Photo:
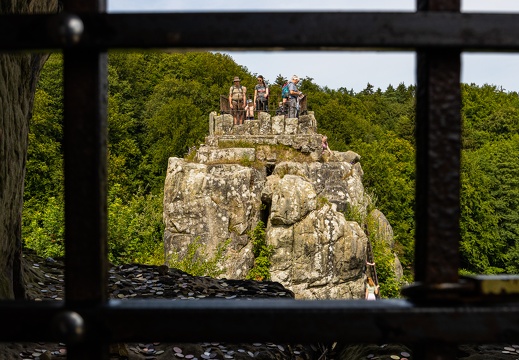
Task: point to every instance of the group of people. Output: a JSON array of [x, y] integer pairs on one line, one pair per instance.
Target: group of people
[[243, 107]]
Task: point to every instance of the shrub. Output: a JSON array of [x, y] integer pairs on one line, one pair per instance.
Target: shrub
[[44, 227], [262, 253], [383, 255], [135, 229]]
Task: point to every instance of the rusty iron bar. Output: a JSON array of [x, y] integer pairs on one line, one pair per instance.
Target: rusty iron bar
[[438, 167], [86, 275], [438, 153], [85, 176], [438, 136], [277, 320], [85, 158], [307, 31]]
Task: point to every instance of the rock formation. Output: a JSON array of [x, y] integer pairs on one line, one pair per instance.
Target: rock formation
[[271, 169]]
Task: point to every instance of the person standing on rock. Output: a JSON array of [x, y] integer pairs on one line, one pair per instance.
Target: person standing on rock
[[371, 290], [237, 98], [294, 93], [261, 94]]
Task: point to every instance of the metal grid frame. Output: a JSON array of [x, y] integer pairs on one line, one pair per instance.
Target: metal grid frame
[[434, 321]]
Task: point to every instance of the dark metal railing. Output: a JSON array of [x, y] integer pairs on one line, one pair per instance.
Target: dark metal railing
[[436, 317]]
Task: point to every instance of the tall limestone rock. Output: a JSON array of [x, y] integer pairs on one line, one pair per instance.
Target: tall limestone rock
[[271, 169]]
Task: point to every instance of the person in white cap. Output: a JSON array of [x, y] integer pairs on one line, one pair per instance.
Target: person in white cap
[[294, 93], [249, 110], [237, 98]]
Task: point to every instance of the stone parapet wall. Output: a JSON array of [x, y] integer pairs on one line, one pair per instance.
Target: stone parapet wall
[[266, 124], [304, 143]]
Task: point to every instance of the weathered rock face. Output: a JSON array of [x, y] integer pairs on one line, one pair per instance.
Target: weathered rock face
[[18, 76], [337, 182], [215, 203], [318, 254]]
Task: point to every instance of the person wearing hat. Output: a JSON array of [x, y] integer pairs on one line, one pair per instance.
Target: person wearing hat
[[237, 98]]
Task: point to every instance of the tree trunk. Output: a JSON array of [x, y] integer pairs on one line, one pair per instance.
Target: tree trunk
[[18, 76]]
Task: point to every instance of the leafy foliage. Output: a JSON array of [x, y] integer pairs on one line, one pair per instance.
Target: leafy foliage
[[158, 107], [262, 253], [135, 229], [389, 172], [45, 227], [390, 286], [490, 207], [383, 254]]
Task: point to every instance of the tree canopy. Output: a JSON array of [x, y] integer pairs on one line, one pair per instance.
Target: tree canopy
[[159, 105]]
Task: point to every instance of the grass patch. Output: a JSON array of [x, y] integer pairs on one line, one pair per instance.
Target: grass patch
[[322, 201]]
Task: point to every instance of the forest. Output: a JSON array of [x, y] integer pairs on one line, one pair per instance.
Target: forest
[[159, 105]]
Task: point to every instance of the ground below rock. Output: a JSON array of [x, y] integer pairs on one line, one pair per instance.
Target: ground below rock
[[46, 279]]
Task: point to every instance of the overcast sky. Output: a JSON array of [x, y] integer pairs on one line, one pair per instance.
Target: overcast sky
[[351, 70]]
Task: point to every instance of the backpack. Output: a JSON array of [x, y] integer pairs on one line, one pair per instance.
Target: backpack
[[284, 91], [237, 91]]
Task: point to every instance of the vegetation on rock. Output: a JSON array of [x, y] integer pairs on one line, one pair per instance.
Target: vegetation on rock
[[262, 253], [197, 262]]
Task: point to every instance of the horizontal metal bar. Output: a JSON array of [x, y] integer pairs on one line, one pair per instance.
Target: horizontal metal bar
[[305, 30], [279, 320]]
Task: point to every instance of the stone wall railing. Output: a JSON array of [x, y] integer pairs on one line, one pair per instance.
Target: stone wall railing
[[265, 125]]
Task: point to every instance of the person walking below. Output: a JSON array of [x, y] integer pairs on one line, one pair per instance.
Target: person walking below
[[326, 153], [292, 97], [371, 290], [237, 98], [261, 94]]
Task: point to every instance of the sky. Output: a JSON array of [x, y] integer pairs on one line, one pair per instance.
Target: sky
[[345, 69]]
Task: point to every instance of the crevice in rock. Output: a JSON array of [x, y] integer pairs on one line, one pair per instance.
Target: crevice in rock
[[265, 212], [269, 169]]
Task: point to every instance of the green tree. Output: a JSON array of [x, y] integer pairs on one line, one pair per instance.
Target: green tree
[[389, 172], [44, 226], [480, 244], [135, 229], [44, 176], [490, 208], [489, 114], [174, 126]]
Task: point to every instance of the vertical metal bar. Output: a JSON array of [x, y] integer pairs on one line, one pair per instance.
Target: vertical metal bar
[[438, 167], [85, 148], [438, 131]]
